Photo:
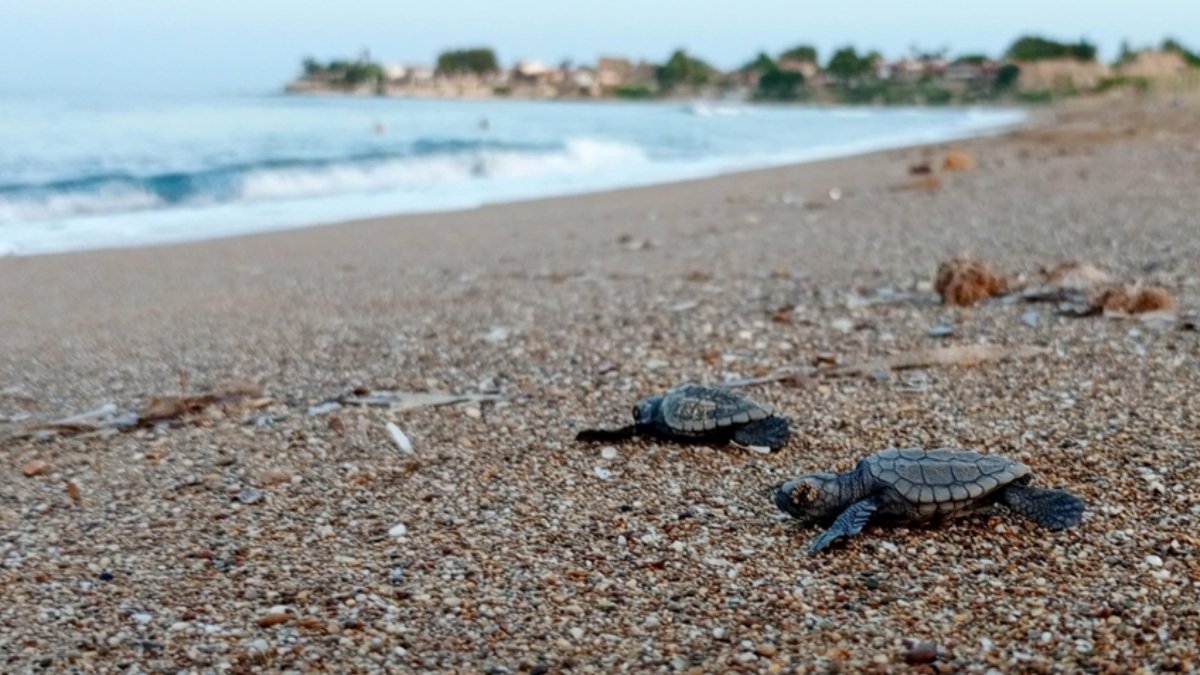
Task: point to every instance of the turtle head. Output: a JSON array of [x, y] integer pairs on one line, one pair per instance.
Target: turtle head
[[646, 410], [811, 498]]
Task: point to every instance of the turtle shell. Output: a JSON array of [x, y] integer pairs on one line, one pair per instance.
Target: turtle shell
[[943, 475], [695, 409]]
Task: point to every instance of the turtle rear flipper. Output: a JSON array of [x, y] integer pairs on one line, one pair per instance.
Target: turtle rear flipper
[[1051, 509], [772, 432]]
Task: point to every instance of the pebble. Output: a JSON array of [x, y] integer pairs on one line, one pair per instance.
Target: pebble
[[397, 530], [608, 452], [602, 473], [273, 619], [35, 467], [919, 652], [1154, 561], [249, 495]]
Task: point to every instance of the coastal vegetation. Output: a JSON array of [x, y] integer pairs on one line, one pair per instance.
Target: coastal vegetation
[[1033, 69]]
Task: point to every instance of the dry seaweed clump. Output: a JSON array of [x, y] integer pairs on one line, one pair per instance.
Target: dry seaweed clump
[[964, 281], [1134, 300], [1075, 275], [958, 160]]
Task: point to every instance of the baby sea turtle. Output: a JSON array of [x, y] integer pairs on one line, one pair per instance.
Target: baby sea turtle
[[699, 414], [917, 485]]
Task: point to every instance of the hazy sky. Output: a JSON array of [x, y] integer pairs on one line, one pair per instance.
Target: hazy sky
[[254, 45]]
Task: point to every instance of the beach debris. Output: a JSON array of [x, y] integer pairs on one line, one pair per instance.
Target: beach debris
[[920, 168], [80, 423], [273, 619], [941, 331], [958, 160], [497, 334], [1068, 281], [399, 401], [1125, 300], [964, 281], [73, 492], [1030, 317], [323, 408], [248, 495], [927, 183], [35, 467], [238, 394], [962, 356], [835, 194], [684, 306], [405, 446]]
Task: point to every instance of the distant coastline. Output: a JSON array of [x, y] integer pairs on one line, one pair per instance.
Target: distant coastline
[[1032, 70]]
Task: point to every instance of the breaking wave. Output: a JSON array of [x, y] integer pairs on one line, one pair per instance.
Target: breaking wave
[[421, 164]]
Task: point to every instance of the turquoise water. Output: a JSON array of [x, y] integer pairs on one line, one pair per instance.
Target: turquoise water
[[90, 173]]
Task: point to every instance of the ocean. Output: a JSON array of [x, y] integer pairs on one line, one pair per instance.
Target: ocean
[[82, 173]]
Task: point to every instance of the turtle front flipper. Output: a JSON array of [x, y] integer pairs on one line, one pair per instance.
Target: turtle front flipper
[[849, 523], [607, 435], [772, 432], [1051, 509]]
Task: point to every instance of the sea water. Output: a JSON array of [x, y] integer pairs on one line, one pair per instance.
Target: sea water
[[78, 173]]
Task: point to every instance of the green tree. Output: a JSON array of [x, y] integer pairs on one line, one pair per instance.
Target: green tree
[[478, 61], [1173, 45], [847, 65], [1035, 48], [800, 53], [1007, 76], [761, 64], [780, 85], [682, 69], [971, 59], [311, 66]]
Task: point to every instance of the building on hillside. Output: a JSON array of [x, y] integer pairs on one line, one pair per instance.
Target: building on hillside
[[613, 72], [971, 71]]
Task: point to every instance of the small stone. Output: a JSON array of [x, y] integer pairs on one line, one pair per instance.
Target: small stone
[[398, 530], [73, 492], [473, 413], [35, 467], [842, 325], [249, 495], [260, 645], [919, 652], [141, 618], [1030, 317], [746, 657], [273, 619], [767, 650], [608, 452], [602, 473], [1154, 561], [941, 331], [274, 477]]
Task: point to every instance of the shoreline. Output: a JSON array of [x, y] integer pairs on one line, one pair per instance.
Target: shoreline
[[1029, 119], [264, 535]]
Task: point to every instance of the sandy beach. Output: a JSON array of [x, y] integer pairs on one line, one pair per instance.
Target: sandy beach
[[260, 536]]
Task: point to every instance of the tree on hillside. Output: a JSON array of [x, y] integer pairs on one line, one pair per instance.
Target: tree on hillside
[[1007, 76], [1173, 45], [761, 64], [682, 69], [847, 65], [477, 61], [780, 85], [1034, 48], [311, 66], [800, 53]]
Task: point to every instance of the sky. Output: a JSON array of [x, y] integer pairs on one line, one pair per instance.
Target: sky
[[253, 46]]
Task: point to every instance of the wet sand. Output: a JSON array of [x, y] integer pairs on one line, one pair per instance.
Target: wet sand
[[269, 538]]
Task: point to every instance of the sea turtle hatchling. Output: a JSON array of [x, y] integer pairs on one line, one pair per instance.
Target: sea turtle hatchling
[[699, 414], [917, 485]]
